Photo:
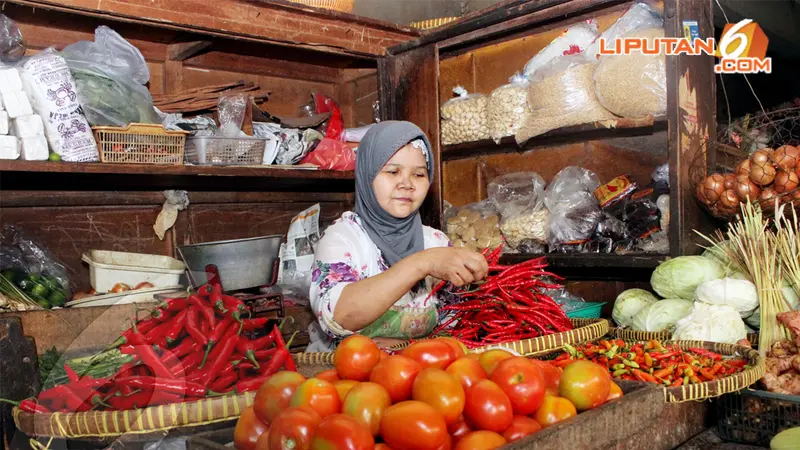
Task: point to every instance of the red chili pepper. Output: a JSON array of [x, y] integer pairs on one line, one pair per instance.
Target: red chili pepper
[[180, 387], [226, 350], [204, 309], [659, 356], [144, 326], [28, 405], [71, 375], [144, 399], [174, 305], [224, 382], [254, 324], [177, 327], [186, 347], [282, 356], [216, 335], [205, 290], [63, 393], [216, 299], [148, 356], [188, 365], [247, 348], [192, 328], [157, 336]]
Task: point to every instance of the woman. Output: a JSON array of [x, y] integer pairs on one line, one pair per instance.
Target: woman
[[375, 267]]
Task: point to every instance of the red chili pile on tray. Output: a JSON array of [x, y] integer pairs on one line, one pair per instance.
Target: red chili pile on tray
[[510, 305], [190, 348], [654, 362]]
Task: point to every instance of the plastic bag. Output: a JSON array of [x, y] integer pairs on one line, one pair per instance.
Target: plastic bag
[[231, 110], [331, 154], [335, 125], [572, 41], [474, 226], [562, 94], [574, 211], [32, 268], [464, 118], [110, 75], [12, 46], [507, 108], [640, 16], [633, 85], [297, 254], [518, 197]]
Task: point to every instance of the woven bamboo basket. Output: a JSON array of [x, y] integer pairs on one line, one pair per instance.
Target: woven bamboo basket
[[585, 330], [154, 421], [627, 334], [334, 5], [432, 23]]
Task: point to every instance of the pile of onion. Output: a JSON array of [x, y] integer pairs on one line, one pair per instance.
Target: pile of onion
[[768, 174]]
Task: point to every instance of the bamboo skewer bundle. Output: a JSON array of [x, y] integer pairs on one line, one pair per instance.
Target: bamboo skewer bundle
[[206, 97], [788, 240]]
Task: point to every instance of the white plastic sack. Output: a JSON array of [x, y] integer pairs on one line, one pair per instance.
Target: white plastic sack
[[574, 40]]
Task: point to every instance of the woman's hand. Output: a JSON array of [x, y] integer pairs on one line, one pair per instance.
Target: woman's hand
[[459, 266]]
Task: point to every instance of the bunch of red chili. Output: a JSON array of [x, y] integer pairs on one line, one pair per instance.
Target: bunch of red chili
[[510, 305], [188, 349], [654, 362]]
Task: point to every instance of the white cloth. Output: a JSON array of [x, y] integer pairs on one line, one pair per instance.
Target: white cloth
[[344, 255]]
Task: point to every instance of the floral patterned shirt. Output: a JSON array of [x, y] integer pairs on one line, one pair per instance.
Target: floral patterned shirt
[[344, 255]]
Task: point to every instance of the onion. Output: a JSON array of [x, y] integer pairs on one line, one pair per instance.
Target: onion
[[762, 173], [729, 200], [730, 181], [785, 157], [746, 189], [760, 156], [767, 198], [785, 182], [713, 187], [701, 196], [743, 167]]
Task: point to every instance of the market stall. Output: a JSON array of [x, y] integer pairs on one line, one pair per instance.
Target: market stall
[[168, 169]]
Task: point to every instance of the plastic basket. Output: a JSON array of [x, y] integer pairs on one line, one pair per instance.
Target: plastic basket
[[590, 311], [140, 143], [755, 417], [222, 151]]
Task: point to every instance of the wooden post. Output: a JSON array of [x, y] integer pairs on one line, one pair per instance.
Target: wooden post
[[19, 376]]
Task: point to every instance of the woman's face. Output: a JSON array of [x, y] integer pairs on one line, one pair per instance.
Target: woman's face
[[402, 184]]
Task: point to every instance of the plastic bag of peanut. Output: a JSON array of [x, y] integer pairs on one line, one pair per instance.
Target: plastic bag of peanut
[[464, 118], [518, 197], [508, 108]]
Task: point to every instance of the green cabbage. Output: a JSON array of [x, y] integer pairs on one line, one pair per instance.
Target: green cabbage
[[661, 315], [629, 303], [739, 294], [713, 323], [679, 277]]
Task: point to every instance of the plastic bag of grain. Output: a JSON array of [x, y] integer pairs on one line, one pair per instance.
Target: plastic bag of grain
[[474, 226], [464, 118], [508, 107], [519, 198], [633, 85], [562, 94]]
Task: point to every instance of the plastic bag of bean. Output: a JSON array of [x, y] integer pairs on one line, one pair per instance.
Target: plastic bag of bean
[[519, 199], [508, 108], [464, 118], [475, 226]]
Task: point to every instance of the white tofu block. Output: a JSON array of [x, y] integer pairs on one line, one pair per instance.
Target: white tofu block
[[34, 148], [10, 80], [27, 126], [17, 104], [3, 122], [9, 147]]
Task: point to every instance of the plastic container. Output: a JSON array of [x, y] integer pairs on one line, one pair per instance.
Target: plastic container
[[221, 151], [140, 143], [754, 417], [121, 298], [107, 268], [590, 311]]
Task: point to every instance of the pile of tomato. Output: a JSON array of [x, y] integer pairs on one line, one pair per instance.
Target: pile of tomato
[[432, 396]]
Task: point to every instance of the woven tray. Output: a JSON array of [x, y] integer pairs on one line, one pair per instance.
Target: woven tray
[[153, 421], [627, 334]]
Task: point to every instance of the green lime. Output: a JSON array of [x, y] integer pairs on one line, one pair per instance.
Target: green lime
[[54, 157]]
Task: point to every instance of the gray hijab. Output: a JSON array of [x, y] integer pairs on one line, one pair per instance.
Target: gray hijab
[[396, 238]]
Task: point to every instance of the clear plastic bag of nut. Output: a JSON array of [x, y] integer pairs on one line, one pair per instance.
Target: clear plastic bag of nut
[[475, 226], [464, 118], [518, 198], [508, 108]]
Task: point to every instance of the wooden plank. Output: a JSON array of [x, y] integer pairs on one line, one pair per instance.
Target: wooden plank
[[11, 199], [181, 51], [264, 22], [459, 180], [19, 376], [691, 109], [231, 62]]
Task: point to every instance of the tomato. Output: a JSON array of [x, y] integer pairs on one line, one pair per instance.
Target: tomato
[[440, 390], [366, 403], [585, 384], [491, 358], [330, 376], [413, 425], [466, 370], [384, 355], [355, 357], [458, 429], [430, 353], [119, 287], [396, 373], [382, 446], [554, 410], [293, 429], [273, 396], [343, 387], [481, 440], [459, 348], [318, 395], [614, 392], [342, 432], [522, 382], [551, 374], [520, 427], [248, 429], [488, 407], [263, 441]]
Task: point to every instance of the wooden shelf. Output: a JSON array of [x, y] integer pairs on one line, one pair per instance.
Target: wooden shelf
[[598, 266], [566, 135], [19, 174]]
